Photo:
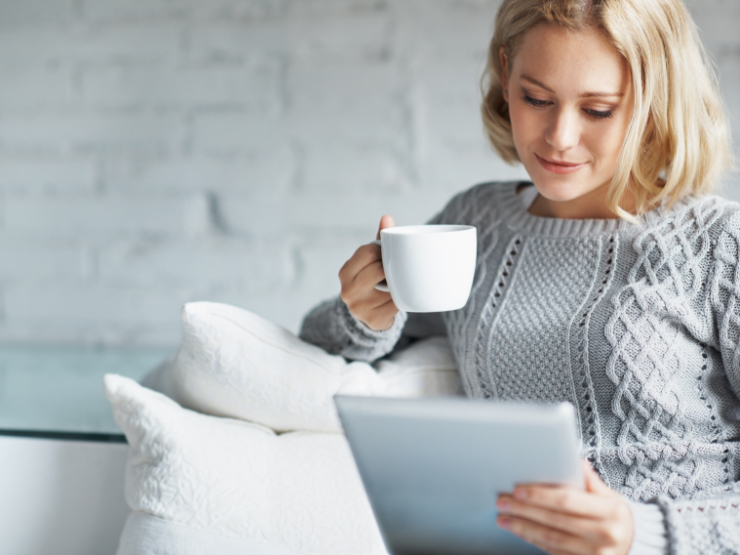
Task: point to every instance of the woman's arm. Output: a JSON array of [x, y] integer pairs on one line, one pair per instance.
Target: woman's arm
[[362, 323], [332, 327], [339, 330], [708, 521]]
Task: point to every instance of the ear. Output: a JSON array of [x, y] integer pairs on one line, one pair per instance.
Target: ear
[[504, 72]]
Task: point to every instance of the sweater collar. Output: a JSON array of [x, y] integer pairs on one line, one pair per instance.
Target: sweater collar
[[520, 220]]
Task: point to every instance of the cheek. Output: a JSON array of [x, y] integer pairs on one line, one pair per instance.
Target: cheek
[[524, 126], [605, 143]]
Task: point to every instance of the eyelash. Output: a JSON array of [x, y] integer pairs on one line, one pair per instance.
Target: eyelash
[[539, 104]]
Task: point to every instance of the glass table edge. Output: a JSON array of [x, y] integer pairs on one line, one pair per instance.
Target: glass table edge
[[65, 436]]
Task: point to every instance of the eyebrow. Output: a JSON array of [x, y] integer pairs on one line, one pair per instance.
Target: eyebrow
[[584, 95]]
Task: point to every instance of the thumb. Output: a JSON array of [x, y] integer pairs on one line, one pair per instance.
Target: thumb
[[594, 483], [385, 222]]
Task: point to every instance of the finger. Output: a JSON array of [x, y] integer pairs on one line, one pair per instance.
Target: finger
[[544, 537], [363, 256], [385, 222], [361, 294], [386, 310], [382, 317], [588, 528], [369, 277], [364, 303], [566, 500], [594, 483]]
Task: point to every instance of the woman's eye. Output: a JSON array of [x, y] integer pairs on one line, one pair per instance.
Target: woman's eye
[[598, 114], [595, 114], [535, 102]]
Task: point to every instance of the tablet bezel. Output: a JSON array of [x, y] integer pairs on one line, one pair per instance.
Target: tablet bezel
[[433, 467]]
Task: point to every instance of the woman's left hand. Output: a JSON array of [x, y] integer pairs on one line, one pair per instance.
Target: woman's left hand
[[563, 520]]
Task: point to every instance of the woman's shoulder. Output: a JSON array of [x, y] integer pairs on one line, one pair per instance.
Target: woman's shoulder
[[729, 218], [698, 215], [724, 229], [483, 201], [716, 215]]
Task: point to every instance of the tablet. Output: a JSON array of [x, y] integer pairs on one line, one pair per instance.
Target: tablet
[[433, 467]]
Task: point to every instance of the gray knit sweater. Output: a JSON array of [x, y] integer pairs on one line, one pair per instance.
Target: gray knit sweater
[[637, 325]]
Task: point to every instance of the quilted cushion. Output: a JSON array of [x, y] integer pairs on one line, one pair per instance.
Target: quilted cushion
[[200, 484], [235, 363]]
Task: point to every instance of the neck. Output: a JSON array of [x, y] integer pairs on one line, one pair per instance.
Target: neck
[[591, 206]]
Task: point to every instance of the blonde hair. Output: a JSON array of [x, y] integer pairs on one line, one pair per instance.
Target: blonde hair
[[677, 143]]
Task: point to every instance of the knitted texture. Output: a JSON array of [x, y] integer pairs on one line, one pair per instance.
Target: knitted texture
[[637, 325]]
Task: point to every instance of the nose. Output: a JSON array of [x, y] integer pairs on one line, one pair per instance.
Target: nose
[[563, 130]]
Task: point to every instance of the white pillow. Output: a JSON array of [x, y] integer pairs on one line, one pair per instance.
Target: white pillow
[[199, 484], [235, 363]]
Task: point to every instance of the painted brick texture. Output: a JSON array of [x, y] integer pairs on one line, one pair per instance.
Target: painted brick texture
[[162, 151]]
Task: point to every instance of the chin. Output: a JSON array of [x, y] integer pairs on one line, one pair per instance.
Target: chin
[[558, 190]]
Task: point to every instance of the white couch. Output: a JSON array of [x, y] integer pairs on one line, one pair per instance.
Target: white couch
[[61, 497], [240, 449]]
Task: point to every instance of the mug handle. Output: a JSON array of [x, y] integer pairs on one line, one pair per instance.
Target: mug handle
[[383, 285]]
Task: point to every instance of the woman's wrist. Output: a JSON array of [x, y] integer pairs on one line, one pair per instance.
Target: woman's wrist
[[361, 332], [358, 327], [650, 537]]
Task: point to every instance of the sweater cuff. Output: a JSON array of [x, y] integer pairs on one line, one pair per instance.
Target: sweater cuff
[[364, 342], [649, 529], [359, 329]]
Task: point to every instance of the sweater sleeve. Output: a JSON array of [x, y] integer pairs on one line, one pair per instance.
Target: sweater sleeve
[[709, 521], [706, 523], [335, 329], [332, 327], [649, 530], [725, 299]]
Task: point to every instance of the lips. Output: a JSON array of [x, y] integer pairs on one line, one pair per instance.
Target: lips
[[559, 167]]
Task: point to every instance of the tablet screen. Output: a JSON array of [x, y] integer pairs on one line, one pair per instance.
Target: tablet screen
[[433, 467]]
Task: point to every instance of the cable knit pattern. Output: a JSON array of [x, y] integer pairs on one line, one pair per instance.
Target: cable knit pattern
[[637, 325]]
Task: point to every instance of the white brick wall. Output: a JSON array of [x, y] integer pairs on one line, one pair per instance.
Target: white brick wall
[[154, 152]]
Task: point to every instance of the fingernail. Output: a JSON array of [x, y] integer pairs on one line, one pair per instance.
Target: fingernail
[[503, 504], [504, 522], [520, 493]]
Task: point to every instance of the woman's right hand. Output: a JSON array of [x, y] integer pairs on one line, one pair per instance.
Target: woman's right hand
[[359, 276]]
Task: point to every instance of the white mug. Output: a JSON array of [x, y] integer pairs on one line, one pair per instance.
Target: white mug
[[428, 268]]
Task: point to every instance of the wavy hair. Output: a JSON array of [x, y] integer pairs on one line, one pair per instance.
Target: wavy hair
[[678, 141]]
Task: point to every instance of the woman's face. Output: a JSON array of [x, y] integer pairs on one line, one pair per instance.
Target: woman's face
[[570, 102]]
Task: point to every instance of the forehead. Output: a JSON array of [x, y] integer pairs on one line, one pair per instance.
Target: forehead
[[573, 61]]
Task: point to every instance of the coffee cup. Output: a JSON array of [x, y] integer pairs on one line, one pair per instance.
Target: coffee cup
[[428, 268]]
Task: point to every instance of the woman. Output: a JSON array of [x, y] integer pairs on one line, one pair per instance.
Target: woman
[[611, 281]]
